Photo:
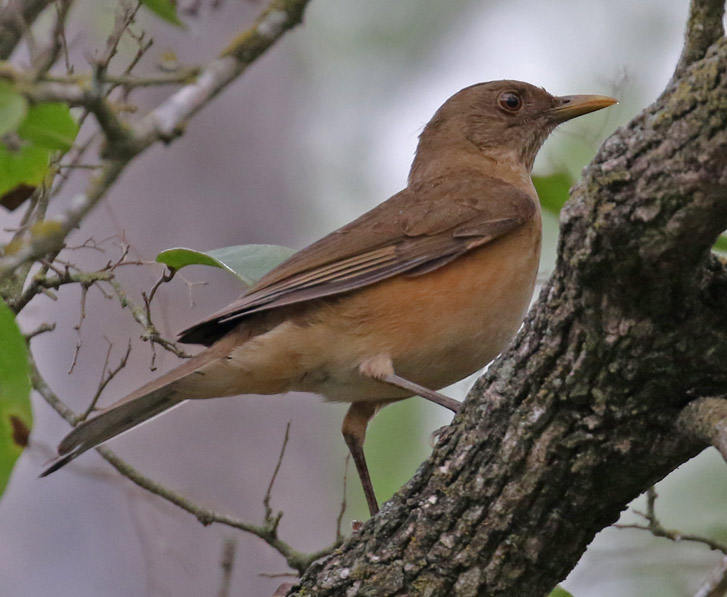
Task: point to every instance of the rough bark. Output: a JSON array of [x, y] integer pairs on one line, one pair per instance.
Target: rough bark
[[580, 415]]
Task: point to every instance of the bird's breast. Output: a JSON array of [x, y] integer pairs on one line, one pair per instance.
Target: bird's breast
[[437, 328]]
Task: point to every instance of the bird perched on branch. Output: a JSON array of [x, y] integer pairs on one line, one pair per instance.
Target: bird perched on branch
[[421, 291]]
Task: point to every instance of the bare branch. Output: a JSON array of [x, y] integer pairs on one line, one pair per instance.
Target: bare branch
[[296, 560], [125, 14], [15, 17], [141, 315], [267, 531], [180, 77], [342, 511], [228, 560], [106, 376], [655, 527], [167, 121], [53, 235], [274, 520], [47, 56], [41, 329], [162, 124]]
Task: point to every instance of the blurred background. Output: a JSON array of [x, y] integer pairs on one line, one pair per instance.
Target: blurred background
[[319, 130]]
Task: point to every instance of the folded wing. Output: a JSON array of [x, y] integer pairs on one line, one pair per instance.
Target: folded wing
[[415, 232]]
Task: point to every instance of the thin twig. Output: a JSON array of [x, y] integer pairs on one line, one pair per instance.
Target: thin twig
[[77, 327], [78, 152], [274, 520], [106, 376], [125, 16], [47, 57], [167, 121], [16, 17], [41, 329], [278, 574], [166, 276], [267, 532], [342, 511], [229, 546], [179, 77], [297, 560], [655, 527]]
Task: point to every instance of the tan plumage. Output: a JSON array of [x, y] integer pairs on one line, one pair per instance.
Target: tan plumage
[[419, 292]]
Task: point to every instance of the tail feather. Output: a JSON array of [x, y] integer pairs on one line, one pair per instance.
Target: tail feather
[[145, 403], [111, 422]]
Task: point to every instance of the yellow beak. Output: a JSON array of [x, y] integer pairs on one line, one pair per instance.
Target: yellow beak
[[570, 106]]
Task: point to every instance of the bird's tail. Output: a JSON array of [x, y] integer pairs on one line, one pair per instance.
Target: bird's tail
[[111, 422], [152, 399]]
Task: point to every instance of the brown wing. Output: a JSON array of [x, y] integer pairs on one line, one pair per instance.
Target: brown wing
[[414, 232]]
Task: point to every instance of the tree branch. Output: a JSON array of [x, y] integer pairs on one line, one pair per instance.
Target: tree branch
[[575, 419], [15, 18], [704, 27], [654, 526], [167, 121], [705, 420], [163, 124], [267, 531]]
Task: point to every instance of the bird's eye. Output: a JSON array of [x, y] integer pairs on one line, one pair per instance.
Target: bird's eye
[[511, 101]]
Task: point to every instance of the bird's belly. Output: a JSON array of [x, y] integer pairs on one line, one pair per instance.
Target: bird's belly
[[437, 328]]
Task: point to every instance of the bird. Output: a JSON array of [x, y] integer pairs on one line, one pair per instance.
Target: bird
[[419, 292]]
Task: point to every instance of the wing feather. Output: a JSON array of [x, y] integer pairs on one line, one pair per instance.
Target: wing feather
[[415, 232]]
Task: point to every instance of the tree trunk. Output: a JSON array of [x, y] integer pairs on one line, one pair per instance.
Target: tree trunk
[[582, 413]]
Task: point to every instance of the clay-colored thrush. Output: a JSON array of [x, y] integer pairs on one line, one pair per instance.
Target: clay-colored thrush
[[414, 295]]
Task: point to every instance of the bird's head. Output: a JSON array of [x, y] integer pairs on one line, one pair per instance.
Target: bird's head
[[510, 117]]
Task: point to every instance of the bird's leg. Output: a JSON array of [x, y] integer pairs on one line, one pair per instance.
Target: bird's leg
[[430, 395], [354, 432], [382, 369]]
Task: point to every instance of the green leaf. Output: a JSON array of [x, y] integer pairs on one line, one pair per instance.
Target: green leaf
[[13, 108], [559, 592], [248, 263], [553, 190], [26, 166], [164, 9], [49, 125], [30, 164], [721, 244], [16, 418]]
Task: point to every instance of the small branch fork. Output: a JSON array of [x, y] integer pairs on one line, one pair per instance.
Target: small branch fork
[[120, 142], [53, 276], [272, 520], [124, 142], [704, 421], [716, 583], [654, 526], [267, 531]]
